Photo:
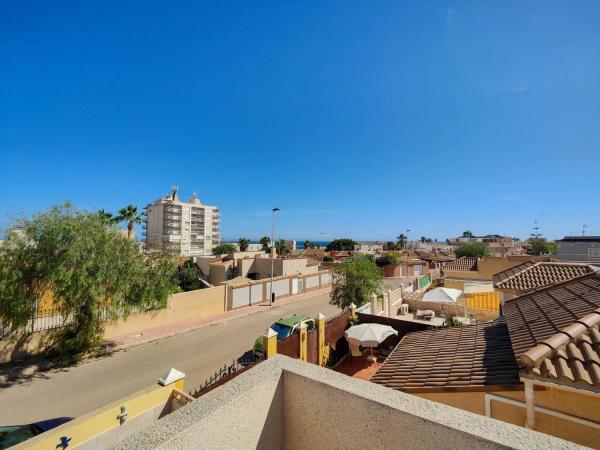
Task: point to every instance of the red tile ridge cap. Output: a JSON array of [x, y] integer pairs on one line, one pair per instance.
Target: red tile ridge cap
[[534, 356]]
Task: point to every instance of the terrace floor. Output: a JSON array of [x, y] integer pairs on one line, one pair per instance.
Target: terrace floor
[[356, 367]]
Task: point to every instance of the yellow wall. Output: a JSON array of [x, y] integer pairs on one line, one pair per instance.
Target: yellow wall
[[483, 301], [469, 401], [104, 419], [582, 406], [180, 307]]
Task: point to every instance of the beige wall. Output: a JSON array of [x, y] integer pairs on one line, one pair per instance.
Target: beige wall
[[582, 406], [180, 307], [487, 267]]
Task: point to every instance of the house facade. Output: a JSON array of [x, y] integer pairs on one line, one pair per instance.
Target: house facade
[[579, 248]]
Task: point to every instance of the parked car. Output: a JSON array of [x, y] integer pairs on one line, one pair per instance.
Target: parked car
[[15, 434], [284, 327]]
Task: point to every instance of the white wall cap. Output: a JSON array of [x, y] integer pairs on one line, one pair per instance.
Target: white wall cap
[[171, 377]]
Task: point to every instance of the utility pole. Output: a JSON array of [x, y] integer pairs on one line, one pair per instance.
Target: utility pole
[[272, 254]]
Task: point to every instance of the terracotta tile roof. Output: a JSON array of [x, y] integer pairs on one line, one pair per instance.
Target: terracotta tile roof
[[571, 356], [464, 264], [471, 357], [534, 275], [542, 313]]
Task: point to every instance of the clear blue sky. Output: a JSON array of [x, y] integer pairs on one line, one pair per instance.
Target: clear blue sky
[[357, 119]]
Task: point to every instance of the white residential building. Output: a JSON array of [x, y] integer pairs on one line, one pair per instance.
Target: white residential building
[[181, 228]]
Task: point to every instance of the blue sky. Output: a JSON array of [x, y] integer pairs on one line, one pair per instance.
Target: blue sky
[[357, 119]]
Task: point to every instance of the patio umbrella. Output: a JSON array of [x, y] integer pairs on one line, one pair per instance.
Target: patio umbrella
[[368, 334], [442, 295]]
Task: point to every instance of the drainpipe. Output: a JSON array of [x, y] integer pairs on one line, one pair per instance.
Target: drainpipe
[[529, 406]]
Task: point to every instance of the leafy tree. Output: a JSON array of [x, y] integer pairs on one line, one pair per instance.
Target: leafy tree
[[354, 281], [328, 258], [451, 321], [474, 249], [95, 275], [129, 215], [281, 246], [390, 246], [540, 246], [309, 244], [402, 240], [106, 217], [467, 233], [188, 276], [388, 259], [516, 239], [224, 249], [265, 241], [341, 245], [243, 243]]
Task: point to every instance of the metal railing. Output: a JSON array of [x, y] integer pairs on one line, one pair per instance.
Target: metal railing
[[222, 375]]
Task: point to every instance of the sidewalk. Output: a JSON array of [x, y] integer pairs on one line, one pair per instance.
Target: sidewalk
[[153, 334]]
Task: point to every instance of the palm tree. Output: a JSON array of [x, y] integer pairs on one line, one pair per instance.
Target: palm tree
[[401, 240], [309, 244], [265, 241], [282, 247], [105, 217], [129, 215], [243, 243]]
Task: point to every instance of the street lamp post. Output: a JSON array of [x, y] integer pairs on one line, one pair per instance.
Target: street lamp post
[[272, 254]]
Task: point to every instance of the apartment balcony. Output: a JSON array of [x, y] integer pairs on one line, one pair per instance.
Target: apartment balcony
[[172, 237]]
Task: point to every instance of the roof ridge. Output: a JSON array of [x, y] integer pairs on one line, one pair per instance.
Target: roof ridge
[[570, 333], [594, 273]]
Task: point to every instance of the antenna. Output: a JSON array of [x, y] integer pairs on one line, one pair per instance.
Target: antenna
[[536, 230], [174, 190], [583, 229]]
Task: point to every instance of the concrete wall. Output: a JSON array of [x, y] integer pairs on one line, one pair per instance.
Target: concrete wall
[[286, 403], [487, 266], [258, 291], [100, 428], [578, 405], [180, 308]]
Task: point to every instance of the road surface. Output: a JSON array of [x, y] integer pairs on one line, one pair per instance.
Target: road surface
[[92, 384]]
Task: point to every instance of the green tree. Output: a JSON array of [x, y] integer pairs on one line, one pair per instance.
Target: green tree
[[475, 249], [388, 259], [341, 245], [389, 245], [354, 281], [281, 246], [94, 274], [106, 217], [309, 244], [402, 240], [328, 258], [224, 249], [243, 243], [188, 276], [467, 233], [265, 241], [131, 217], [540, 246]]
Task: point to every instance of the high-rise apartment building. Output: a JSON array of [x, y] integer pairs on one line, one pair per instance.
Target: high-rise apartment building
[[181, 228]]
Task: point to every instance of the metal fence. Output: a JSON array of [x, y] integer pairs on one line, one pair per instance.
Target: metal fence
[[41, 320], [222, 375]]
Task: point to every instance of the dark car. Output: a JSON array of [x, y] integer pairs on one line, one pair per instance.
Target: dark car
[[15, 434]]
